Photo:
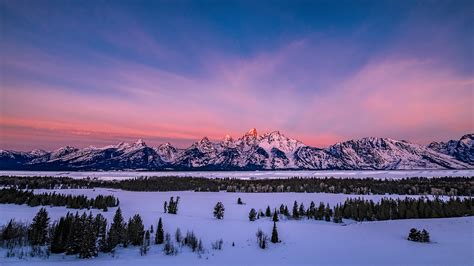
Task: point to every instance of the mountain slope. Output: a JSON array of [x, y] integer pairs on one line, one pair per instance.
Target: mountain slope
[[462, 150], [251, 152]]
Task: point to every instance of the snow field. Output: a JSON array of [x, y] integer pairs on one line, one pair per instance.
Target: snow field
[[304, 242]]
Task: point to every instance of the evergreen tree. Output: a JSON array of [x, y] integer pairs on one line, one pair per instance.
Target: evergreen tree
[[87, 246], [327, 213], [274, 238], [100, 223], [146, 244], [57, 241], [252, 215], [178, 235], [268, 212], [282, 209], [287, 212], [165, 207], [219, 210], [295, 213], [312, 210], [159, 237], [301, 210], [414, 235], [275, 216], [116, 232], [38, 232], [320, 211], [135, 231], [424, 236]]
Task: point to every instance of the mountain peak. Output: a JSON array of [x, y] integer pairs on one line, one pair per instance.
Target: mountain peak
[[252, 132], [204, 140], [228, 138], [140, 142]]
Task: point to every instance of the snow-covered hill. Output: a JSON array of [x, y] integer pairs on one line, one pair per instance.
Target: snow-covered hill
[[251, 152]]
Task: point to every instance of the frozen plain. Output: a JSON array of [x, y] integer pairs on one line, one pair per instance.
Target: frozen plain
[[304, 242]]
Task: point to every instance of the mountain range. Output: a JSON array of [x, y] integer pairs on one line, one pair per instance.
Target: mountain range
[[251, 152]]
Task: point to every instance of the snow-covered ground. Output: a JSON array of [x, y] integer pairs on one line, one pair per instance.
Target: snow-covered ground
[[307, 242], [383, 174]]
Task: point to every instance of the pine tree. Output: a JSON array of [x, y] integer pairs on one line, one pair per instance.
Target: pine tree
[[282, 209], [135, 231], [38, 232], [57, 241], [170, 205], [327, 213], [268, 212], [414, 235], [424, 236], [117, 231], [219, 210], [87, 246], [301, 210], [146, 244], [275, 216], [100, 224], [159, 237], [252, 215], [178, 235], [287, 212], [295, 213], [312, 210], [274, 234]]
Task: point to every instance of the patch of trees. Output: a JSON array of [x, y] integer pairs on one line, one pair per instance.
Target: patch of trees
[[360, 209], [451, 186], [419, 236], [16, 196], [85, 236], [172, 206]]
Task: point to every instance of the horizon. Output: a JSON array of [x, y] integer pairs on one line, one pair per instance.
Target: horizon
[[81, 73], [192, 142]]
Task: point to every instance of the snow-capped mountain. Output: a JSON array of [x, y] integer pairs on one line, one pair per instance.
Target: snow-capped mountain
[[251, 152], [462, 149]]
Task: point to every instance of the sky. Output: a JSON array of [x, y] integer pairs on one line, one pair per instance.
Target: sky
[[96, 73]]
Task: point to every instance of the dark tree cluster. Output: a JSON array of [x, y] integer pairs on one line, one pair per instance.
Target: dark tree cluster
[[172, 206], [85, 235], [219, 211], [419, 236], [16, 196], [360, 209], [408, 208], [451, 186]]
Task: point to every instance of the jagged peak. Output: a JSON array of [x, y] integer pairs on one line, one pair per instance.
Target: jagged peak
[[204, 140], [252, 133], [166, 144], [140, 142], [228, 138]]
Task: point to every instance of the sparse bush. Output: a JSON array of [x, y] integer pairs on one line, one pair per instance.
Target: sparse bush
[[217, 244], [261, 239]]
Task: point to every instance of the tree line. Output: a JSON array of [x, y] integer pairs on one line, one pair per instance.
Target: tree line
[[451, 186], [360, 209], [85, 236], [17, 196]]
